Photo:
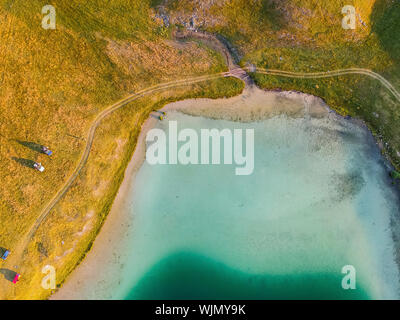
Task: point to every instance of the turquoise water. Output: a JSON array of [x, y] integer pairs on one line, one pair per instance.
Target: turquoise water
[[319, 199]]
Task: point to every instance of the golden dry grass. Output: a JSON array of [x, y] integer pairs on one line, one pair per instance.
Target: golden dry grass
[[53, 84]]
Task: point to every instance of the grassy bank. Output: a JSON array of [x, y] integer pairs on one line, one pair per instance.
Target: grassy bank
[[357, 96], [67, 234]]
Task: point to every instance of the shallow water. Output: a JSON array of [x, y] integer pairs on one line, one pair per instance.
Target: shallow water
[[319, 199]]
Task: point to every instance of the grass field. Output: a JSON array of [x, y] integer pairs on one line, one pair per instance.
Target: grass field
[[356, 96], [54, 82]]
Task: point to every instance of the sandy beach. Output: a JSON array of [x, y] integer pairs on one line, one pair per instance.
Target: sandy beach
[[252, 105]]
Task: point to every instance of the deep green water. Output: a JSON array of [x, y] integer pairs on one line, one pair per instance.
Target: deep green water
[[319, 199], [186, 275]]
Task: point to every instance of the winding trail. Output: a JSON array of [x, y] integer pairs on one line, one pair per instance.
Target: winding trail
[[327, 74], [90, 138], [237, 72]]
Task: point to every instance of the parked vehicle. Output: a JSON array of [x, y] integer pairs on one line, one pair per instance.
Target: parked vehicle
[[47, 151], [38, 166], [5, 254]]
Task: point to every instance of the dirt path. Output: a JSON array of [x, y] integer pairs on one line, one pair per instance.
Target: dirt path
[[237, 72], [234, 70], [213, 42], [18, 252], [335, 73]]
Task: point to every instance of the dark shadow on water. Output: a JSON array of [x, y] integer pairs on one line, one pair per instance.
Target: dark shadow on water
[[8, 274], [191, 276], [31, 145], [24, 162]]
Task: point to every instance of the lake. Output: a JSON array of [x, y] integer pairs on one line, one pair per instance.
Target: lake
[[319, 199]]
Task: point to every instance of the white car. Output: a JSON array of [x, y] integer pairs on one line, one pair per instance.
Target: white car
[[38, 166]]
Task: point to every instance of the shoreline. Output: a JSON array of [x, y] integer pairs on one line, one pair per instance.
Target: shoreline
[[252, 105], [115, 224], [259, 105]]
